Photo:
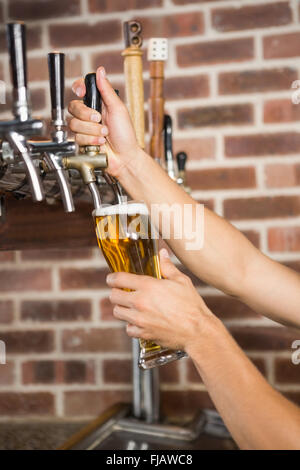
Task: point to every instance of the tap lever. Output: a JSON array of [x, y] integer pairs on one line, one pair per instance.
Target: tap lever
[[181, 159], [169, 146], [92, 97], [56, 66], [15, 34]]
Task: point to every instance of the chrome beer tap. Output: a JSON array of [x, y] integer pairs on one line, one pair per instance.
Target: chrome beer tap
[[15, 133], [54, 152]]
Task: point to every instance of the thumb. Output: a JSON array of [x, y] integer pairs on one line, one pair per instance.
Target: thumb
[[168, 269], [109, 96]]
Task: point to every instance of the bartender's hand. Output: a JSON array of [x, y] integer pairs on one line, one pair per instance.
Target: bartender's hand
[[168, 311], [116, 126]]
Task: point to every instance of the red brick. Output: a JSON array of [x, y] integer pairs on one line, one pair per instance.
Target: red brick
[[7, 256], [85, 278], [21, 342], [221, 115], [169, 374], [25, 279], [213, 52], [112, 61], [281, 110], [38, 67], [293, 397], [184, 403], [262, 144], [228, 308], [281, 175], [57, 255], [208, 203], [56, 310], [262, 207], [281, 45], [106, 310], [196, 149], [83, 34], [253, 81], [96, 340], [264, 338], [284, 239], [7, 374], [179, 25], [295, 265], [250, 17], [177, 88], [117, 371], [6, 311], [33, 38], [38, 100], [108, 6], [24, 404], [286, 371], [222, 178], [27, 9], [253, 237], [57, 372], [93, 402]]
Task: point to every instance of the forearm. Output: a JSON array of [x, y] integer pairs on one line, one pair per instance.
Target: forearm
[[256, 415], [227, 260], [221, 261]]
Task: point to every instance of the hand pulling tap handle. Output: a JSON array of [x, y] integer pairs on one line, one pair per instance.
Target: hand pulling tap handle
[[169, 146], [16, 42]]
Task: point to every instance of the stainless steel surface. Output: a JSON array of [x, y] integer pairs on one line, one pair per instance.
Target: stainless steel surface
[[123, 432], [151, 395], [95, 194], [137, 382]]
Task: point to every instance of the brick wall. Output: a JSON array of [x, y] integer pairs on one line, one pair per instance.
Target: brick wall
[[228, 85]]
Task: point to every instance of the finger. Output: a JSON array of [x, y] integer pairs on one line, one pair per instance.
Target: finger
[[125, 314], [168, 269], [83, 139], [78, 87], [88, 128], [126, 280], [133, 331], [108, 94], [79, 110], [121, 297]]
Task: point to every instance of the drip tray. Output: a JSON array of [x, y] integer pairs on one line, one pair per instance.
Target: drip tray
[[115, 429]]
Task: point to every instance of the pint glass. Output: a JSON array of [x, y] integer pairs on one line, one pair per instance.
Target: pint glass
[[129, 243]]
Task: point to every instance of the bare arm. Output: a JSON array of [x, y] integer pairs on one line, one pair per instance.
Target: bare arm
[[227, 260], [171, 312]]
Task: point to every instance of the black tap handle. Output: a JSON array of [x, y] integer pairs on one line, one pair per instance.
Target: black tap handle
[[168, 137], [92, 97], [56, 66], [181, 159], [16, 41]]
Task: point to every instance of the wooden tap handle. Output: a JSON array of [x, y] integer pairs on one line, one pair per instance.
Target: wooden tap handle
[[134, 85], [156, 108]]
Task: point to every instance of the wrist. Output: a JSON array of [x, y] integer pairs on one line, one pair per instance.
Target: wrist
[[132, 169], [207, 338]]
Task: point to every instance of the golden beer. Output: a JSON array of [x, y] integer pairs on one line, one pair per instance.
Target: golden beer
[[128, 243]]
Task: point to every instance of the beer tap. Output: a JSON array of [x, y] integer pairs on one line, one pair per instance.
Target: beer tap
[[181, 158], [53, 152], [157, 55], [14, 133], [90, 158], [170, 166]]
